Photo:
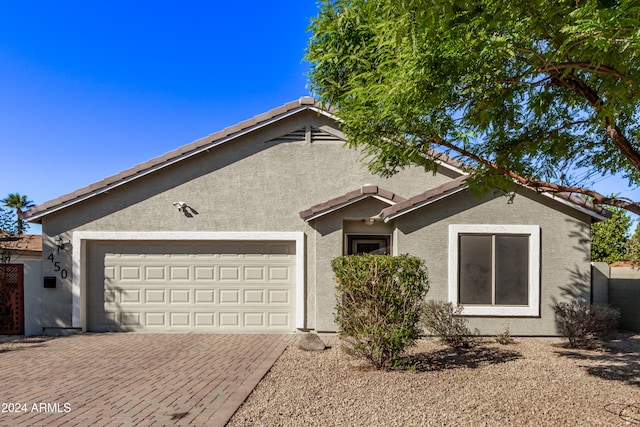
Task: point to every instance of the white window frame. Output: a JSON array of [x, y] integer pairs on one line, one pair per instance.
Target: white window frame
[[530, 310]]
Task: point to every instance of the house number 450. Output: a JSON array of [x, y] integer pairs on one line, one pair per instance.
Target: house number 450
[[56, 267]]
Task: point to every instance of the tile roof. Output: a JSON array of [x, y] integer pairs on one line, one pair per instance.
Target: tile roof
[[350, 198], [26, 243], [399, 205], [425, 198], [581, 203], [459, 184], [304, 103]]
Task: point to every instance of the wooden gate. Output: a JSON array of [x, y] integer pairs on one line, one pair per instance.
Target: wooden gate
[[11, 299]]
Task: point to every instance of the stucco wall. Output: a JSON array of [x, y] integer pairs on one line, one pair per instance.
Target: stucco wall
[[600, 283], [243, 185], [565, 269], [329, 241], [33, 288], [624, 293]]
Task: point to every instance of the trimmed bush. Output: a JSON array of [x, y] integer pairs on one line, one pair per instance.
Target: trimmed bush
[[584, 324], [445, 321], [380, 301]]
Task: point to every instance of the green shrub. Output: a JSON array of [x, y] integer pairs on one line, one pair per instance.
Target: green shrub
[[380, 301], [584, 324], [445, 321], [505, 337]]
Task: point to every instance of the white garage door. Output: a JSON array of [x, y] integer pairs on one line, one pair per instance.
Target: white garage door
[[191, 286]]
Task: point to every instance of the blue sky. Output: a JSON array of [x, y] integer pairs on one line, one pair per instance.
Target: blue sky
[[89, 89]]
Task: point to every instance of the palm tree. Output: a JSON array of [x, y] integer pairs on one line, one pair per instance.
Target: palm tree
[[19, 203]]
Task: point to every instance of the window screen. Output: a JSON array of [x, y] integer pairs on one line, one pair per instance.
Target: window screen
[[475, 269], [512, 270], [493, 269]]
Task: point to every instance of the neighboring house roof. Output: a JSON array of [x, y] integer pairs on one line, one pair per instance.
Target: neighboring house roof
[[24, 245], [350, 198]]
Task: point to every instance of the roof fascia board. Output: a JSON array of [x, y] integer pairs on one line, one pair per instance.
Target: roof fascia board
[[177, 159], [576, 206], [425, 203], [451, 192], [350, 202]]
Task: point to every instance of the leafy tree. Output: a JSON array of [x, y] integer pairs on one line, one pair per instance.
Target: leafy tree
[[526, 91], [609, 239], [633, 247], [19, 203], [9, 238]]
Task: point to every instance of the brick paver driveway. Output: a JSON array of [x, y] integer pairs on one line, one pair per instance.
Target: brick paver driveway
[[125, 379]]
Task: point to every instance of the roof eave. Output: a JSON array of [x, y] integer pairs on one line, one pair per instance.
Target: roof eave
[[591, 212], [36, 217], [422, 204], [347, 203]]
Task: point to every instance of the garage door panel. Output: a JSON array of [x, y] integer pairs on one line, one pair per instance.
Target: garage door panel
[[254, 273], [253, 296], [204, 296], [129, 273], [131, 318], [279, 319], [153, 272], [229, 320], [204, 319], [179, 273], [155, 296], [204, 273], [229, 296], [279, 273], [180, 319], [130, 296], [180, 296], [279, 296], [229, 273], [205, 286]]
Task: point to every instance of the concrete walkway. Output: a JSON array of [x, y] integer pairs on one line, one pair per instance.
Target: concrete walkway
[[131, 379]]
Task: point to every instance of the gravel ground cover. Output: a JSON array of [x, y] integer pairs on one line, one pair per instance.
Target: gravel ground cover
[[532, 382]]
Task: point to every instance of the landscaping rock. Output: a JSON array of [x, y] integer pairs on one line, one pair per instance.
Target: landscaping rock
[[310, 342]]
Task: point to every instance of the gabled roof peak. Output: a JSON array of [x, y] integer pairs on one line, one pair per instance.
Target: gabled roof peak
[[171, 157], [351, 197]]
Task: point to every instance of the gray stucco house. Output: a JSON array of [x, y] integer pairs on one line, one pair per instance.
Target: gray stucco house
[[235, 233]]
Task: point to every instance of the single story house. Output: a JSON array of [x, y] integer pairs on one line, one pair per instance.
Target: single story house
[[235, 233]]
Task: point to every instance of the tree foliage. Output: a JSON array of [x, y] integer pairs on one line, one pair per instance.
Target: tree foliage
[[19, 203], [542, 93], [9, 238], [610, 238]]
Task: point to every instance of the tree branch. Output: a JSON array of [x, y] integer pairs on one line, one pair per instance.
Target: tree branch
[[601, 69], [615, 133], [543, 186]]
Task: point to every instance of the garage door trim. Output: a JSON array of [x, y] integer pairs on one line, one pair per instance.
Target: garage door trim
[[79, 269]]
